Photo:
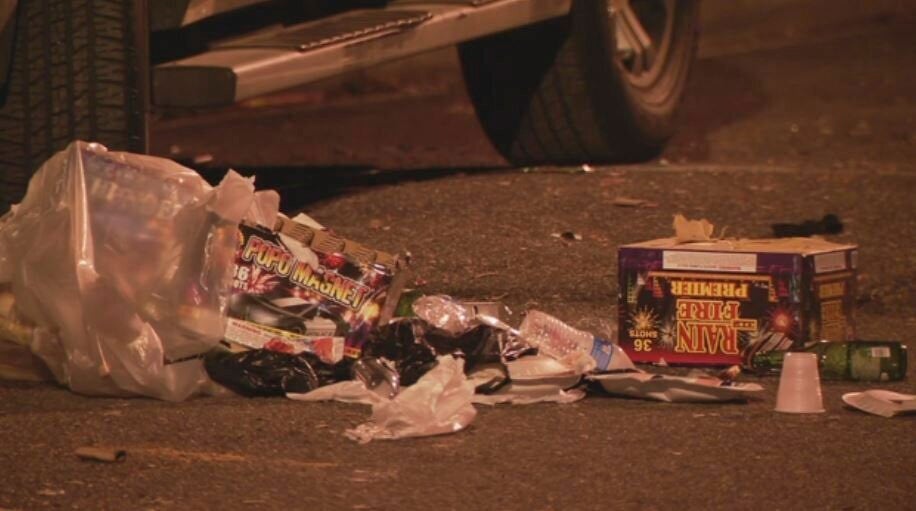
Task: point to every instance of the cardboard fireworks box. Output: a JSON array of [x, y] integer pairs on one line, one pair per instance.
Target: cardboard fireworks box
[[720, 302], [299, 288]]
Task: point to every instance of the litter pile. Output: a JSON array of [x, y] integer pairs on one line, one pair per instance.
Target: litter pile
[[130, 275]]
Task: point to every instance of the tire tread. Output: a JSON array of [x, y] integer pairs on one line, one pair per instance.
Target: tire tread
[[564, 101], [76, 74]]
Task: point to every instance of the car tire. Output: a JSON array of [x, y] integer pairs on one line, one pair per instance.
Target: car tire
[[79, 72], [586, 87]]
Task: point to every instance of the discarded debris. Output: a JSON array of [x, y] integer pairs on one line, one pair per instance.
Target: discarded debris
[[673, 389], [17, 363], [730, 374], [579, 351], [696, 300], [800, 385], [567, 235], [582, 169], [184, 287], [201, 159], [123, 257], [686, 231], [532, 379], [103, 454], [299, 287], [882, 402], [438, 403], [856, 360], [378, 375], [829, 224], [264, 372], [629, 202]]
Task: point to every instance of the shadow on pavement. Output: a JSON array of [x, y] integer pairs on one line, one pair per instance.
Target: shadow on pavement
[[301, 187]]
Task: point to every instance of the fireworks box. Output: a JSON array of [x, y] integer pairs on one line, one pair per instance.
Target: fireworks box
[[720, 302], [298, 288]]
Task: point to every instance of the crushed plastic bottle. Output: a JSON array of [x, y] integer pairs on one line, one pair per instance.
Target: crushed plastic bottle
[[444, 313], [580, 350]]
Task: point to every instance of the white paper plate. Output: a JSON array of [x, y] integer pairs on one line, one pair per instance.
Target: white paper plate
[[881, 402]]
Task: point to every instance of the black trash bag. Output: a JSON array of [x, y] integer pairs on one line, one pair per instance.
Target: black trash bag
[[401, 342], [271, 373], [479, 345], [413, 345]]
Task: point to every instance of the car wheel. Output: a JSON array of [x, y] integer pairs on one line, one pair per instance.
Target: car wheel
[[79, 71], [600, 85]]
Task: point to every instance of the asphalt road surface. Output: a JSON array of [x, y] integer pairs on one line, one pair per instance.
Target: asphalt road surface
[[801, 110]]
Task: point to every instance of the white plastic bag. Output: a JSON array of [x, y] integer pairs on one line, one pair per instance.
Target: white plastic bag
[[123, 262], [438, 403]]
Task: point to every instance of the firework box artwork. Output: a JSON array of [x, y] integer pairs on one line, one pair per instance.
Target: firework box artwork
[[720, 302], [298, 288]]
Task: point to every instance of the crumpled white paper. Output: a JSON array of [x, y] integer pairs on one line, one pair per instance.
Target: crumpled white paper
[[438, 403]]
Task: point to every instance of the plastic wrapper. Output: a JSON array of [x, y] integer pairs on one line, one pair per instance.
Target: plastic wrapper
[[270, 373], [377, 375], [123, 262], [439, 403], [512, 346], [444, 313], [674, 389]]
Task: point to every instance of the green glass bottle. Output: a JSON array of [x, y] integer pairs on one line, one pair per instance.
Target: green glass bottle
[[846, 360], [404, 308]]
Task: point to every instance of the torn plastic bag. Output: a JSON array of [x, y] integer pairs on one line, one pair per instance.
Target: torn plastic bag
[[270, 373], [439, 403], [123, 262]]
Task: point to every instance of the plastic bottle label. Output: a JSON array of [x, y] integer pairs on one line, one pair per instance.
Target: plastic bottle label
[[602, 352], [880, 352], [864, 366]]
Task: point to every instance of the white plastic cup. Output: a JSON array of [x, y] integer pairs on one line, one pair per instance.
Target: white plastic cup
[[799, 385]]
